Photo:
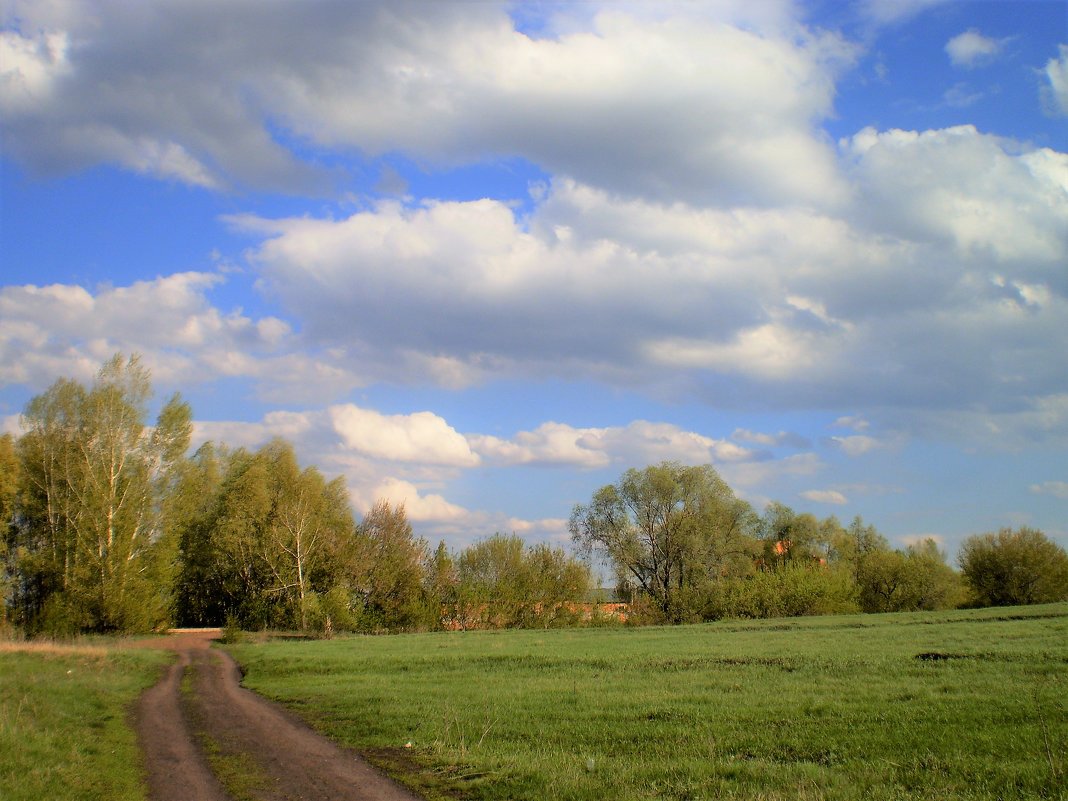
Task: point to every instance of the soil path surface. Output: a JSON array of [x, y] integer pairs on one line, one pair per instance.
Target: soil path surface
[[199, 706]]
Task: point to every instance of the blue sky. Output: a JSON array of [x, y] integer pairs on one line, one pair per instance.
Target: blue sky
[[482, 258]]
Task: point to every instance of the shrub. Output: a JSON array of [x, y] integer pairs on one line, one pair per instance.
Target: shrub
[[1014, 567], [231, 632], [789, 591]]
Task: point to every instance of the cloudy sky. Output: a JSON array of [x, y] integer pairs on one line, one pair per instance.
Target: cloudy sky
[[484, 257]]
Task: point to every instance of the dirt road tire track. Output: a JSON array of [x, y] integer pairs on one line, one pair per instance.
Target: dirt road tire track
[[296, 762], [175, 766]]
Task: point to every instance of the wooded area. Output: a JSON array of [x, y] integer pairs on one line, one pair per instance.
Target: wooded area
[[110, 526]]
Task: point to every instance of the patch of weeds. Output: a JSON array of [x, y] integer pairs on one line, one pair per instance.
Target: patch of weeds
[[405, 766], [231, 632], [238, 773]]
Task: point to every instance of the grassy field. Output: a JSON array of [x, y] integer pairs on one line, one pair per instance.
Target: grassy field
[[949, 705], [64, 730]]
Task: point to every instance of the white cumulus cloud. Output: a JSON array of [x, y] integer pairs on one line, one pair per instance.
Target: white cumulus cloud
[[954, 248], [62, 329], [972, 49], [825, 496], [892, 11], [447, 82], [67, 330], [1056, 72], [857, 444], [970, 190], [420, 437], [29, 69], [781, 439], [854, 422], [639, 442], [419, 506]]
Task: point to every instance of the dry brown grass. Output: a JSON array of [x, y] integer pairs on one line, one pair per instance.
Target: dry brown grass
[[51, 648]]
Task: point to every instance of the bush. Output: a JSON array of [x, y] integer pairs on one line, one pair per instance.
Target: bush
[[1014, 567], [231, 632], [332, 611], [59, 618], [909, 581], [789, 591]]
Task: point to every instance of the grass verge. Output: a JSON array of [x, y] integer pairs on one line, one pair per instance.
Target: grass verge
[[64, 721], [949, 705]]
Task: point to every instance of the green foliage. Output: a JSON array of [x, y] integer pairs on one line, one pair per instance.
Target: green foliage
[[388, 564], [830, 708], [668, 531], [896, 581], [60, 618], [338, 610], [502, 582], [93, 479], [790, 591], [231, 631], [933, 583], [191, 511], [441, 583], [793, 538], [106, 525], [1021, 566], [259, 539], [10, 480], [852, 545], [885, 580]]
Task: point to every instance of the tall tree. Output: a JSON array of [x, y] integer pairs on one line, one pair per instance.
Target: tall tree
[[557, 579], [192, 510], [9, 487], [668, 531], [389, 563], [268, 540], [309, 513], [94, 474]]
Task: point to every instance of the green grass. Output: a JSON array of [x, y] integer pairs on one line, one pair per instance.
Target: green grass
[[65, 730], [814, 708]]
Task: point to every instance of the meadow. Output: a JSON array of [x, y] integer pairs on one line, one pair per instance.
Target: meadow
[[65, 730], [939, 705]]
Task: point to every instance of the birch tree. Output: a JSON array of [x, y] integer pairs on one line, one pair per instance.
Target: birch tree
[[272, 541], [310, 515], [94, 474]]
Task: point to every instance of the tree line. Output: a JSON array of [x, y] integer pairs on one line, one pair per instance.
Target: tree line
[[686, 548], [110, 525]]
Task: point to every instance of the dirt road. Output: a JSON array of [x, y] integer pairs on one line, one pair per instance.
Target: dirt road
[[267, 752]]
